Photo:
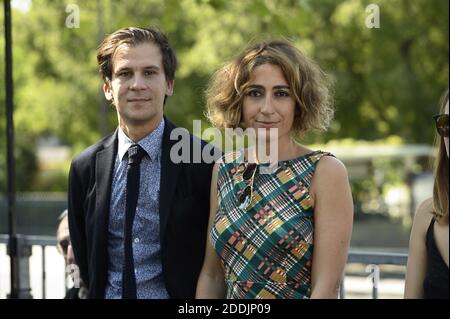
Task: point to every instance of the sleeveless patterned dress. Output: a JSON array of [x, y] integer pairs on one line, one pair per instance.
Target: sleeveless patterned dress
[[266, 249]]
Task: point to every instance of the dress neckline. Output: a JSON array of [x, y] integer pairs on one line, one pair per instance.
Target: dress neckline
[[433, 239], [309, 154]]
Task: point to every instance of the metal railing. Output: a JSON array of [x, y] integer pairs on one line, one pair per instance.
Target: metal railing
[[373, 258], [370, 257], [24, 246]]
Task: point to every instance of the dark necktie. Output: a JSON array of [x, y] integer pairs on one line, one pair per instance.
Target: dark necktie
[[135, 155]]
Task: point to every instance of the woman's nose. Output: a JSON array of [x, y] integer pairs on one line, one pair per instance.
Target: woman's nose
[[267, 105]]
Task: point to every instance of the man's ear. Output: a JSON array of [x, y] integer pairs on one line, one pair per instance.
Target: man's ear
[[170, 85], [108, 92]]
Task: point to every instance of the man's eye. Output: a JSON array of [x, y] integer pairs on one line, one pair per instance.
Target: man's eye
[[149, 73], [124, 74]]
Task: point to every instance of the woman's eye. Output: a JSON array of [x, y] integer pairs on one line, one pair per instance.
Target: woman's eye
[[282, 94], [254, 93]]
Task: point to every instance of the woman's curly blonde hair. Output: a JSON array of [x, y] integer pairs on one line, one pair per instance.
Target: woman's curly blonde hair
[[308, 84]]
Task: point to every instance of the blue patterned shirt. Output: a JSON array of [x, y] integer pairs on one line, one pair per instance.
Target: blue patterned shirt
[[146, 241]]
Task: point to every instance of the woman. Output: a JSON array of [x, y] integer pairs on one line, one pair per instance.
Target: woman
[[284, 234], [427, 269]]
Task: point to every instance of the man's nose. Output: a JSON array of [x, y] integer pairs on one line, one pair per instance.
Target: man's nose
[[138, 82], [70, 256]]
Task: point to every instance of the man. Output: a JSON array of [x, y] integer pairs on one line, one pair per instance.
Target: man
[[145, 243], [64, 246], [63, 243]]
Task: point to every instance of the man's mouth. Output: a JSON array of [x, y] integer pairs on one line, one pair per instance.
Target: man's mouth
[[138, 100]]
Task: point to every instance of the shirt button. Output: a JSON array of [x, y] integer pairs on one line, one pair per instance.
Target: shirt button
[[136, 240]]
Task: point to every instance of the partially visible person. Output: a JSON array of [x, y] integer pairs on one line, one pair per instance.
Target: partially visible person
[[64, 246], [427, 269], [282, 232]]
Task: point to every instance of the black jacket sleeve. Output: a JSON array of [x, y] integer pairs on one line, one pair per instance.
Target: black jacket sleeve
[[76, 215]]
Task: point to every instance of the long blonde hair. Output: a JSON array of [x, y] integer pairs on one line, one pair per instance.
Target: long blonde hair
[[440, 188]]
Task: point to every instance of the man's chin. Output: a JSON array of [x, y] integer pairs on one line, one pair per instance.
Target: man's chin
[[142, 119]]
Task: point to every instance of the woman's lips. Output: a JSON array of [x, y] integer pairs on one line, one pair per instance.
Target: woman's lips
[[266, 124]]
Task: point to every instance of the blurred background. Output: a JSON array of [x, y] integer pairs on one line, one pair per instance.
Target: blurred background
[[387, 84]]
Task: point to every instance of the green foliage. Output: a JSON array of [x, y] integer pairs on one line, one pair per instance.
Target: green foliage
[[387, 81], [25, 163]]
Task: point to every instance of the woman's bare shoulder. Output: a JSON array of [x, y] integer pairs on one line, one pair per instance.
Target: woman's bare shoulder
[[330, 166], [424, 213]]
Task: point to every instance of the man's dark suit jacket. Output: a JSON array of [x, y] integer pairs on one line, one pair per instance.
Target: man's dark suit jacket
[[183, 211]]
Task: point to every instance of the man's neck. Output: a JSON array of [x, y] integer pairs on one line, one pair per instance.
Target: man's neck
[[137, 132]]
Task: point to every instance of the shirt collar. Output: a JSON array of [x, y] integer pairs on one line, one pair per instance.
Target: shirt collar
[[150, 143]]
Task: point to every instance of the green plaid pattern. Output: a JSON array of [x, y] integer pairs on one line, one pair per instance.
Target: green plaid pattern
[[266, 250]]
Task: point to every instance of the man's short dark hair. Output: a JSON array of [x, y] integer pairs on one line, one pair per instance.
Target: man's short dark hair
[[133, 36]]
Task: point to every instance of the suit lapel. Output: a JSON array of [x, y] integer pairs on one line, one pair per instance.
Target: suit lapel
[[169, 177], [104, 164]]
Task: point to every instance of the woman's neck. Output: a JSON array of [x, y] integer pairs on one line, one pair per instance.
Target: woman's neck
[[279, 150]]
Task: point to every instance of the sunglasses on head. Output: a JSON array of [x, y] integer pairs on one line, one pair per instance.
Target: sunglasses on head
[[247, 175], [63, 245], [441, 121]]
